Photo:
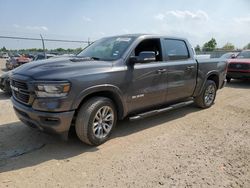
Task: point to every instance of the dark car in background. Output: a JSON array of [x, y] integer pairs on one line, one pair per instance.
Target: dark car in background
[[17, 60], [4, 78], [5, 82], [15, 55], [239, 67], [42, 56], [11, 63]]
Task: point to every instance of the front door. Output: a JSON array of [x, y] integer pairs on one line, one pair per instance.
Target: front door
[[147, 82]]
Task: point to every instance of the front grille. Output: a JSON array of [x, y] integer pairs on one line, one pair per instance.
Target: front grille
[[20, 91], [239, 66], [22, 97], [20, 85]]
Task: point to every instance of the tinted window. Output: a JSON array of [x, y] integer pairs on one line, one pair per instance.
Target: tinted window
[[176, 49], [150, 45]]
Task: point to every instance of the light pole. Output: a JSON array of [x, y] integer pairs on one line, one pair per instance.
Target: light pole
[[43, 47]]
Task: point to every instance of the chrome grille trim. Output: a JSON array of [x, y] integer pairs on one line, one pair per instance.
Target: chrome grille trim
[[20, 91]]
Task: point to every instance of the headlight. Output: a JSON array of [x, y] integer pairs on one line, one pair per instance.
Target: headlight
[[52, 90]]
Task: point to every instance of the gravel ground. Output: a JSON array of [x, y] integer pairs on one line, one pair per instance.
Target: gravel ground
[[188, 147]]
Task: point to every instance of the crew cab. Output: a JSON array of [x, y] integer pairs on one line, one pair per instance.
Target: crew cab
[[116, 77], [239, 66]]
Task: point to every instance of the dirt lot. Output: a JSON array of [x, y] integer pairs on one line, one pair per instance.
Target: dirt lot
[[188, 147]]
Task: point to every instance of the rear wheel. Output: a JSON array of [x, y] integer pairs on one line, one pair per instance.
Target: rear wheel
[[96, 120], [207, 96]]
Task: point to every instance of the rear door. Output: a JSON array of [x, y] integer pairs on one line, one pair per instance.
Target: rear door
[[181, 68]]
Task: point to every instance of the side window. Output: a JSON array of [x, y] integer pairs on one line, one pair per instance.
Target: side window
[[176, 49], [152, 45]]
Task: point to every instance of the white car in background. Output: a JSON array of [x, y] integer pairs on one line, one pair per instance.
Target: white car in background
[[5, 55]]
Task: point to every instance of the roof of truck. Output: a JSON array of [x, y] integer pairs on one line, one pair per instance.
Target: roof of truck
[[137, 35]]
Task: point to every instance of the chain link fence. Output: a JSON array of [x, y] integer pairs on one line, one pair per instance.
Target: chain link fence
[[217, 53], [34, 44]]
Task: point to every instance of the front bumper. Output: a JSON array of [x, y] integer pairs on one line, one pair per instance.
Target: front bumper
[[55, 122], [238, 75]]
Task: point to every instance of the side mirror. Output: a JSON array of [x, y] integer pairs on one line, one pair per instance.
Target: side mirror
[[133, 60], [233, 56], [144, 57], [147, 56]]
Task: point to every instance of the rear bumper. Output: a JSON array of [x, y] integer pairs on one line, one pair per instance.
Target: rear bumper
[[58, 122], [238, 75]]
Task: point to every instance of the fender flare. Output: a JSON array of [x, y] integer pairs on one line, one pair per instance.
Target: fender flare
[[213, 72], [103, 88]]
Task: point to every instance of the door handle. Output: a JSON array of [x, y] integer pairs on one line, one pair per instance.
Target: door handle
[[160, 71], [190, 67]]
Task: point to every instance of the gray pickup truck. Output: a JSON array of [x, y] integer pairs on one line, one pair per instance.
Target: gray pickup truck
[[115, 77]]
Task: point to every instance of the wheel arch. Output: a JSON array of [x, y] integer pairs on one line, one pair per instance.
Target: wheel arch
[[214, 76], [108, 91]]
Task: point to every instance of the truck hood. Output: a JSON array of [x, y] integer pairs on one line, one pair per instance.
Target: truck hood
[[61, 68], [239, 61]]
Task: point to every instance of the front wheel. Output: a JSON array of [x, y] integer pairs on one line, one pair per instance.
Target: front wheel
[[207, 96], [95, 120]]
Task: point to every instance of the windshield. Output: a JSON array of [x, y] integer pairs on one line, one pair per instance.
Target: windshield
[[244, 55], [108, 49]]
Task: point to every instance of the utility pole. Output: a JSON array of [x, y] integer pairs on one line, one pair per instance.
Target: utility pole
[[88, 41], [45, 57]]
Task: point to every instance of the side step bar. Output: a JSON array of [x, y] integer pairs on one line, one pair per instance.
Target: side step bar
[[153, 112]]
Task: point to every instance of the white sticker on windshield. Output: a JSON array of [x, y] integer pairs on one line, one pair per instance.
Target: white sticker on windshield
[[123, 39]]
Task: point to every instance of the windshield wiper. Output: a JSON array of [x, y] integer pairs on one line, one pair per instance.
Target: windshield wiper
[[82, 58], [95, 58]]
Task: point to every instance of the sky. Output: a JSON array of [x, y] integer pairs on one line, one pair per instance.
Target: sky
[[196, 20]]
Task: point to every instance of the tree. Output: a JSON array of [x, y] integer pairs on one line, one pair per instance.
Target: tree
[[77, 50], [228, 46], [247, 46], [60, 50], [210, 45], [3, 49], [197, 48], [40, 50]]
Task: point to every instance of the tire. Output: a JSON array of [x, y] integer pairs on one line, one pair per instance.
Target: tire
[[207, 96], [92, 124], [228, 79]]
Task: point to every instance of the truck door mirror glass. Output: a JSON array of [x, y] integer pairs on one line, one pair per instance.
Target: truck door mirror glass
[[143, 57], [147, 56]]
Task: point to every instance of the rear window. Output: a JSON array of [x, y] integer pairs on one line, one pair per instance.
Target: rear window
[[176, 49]]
